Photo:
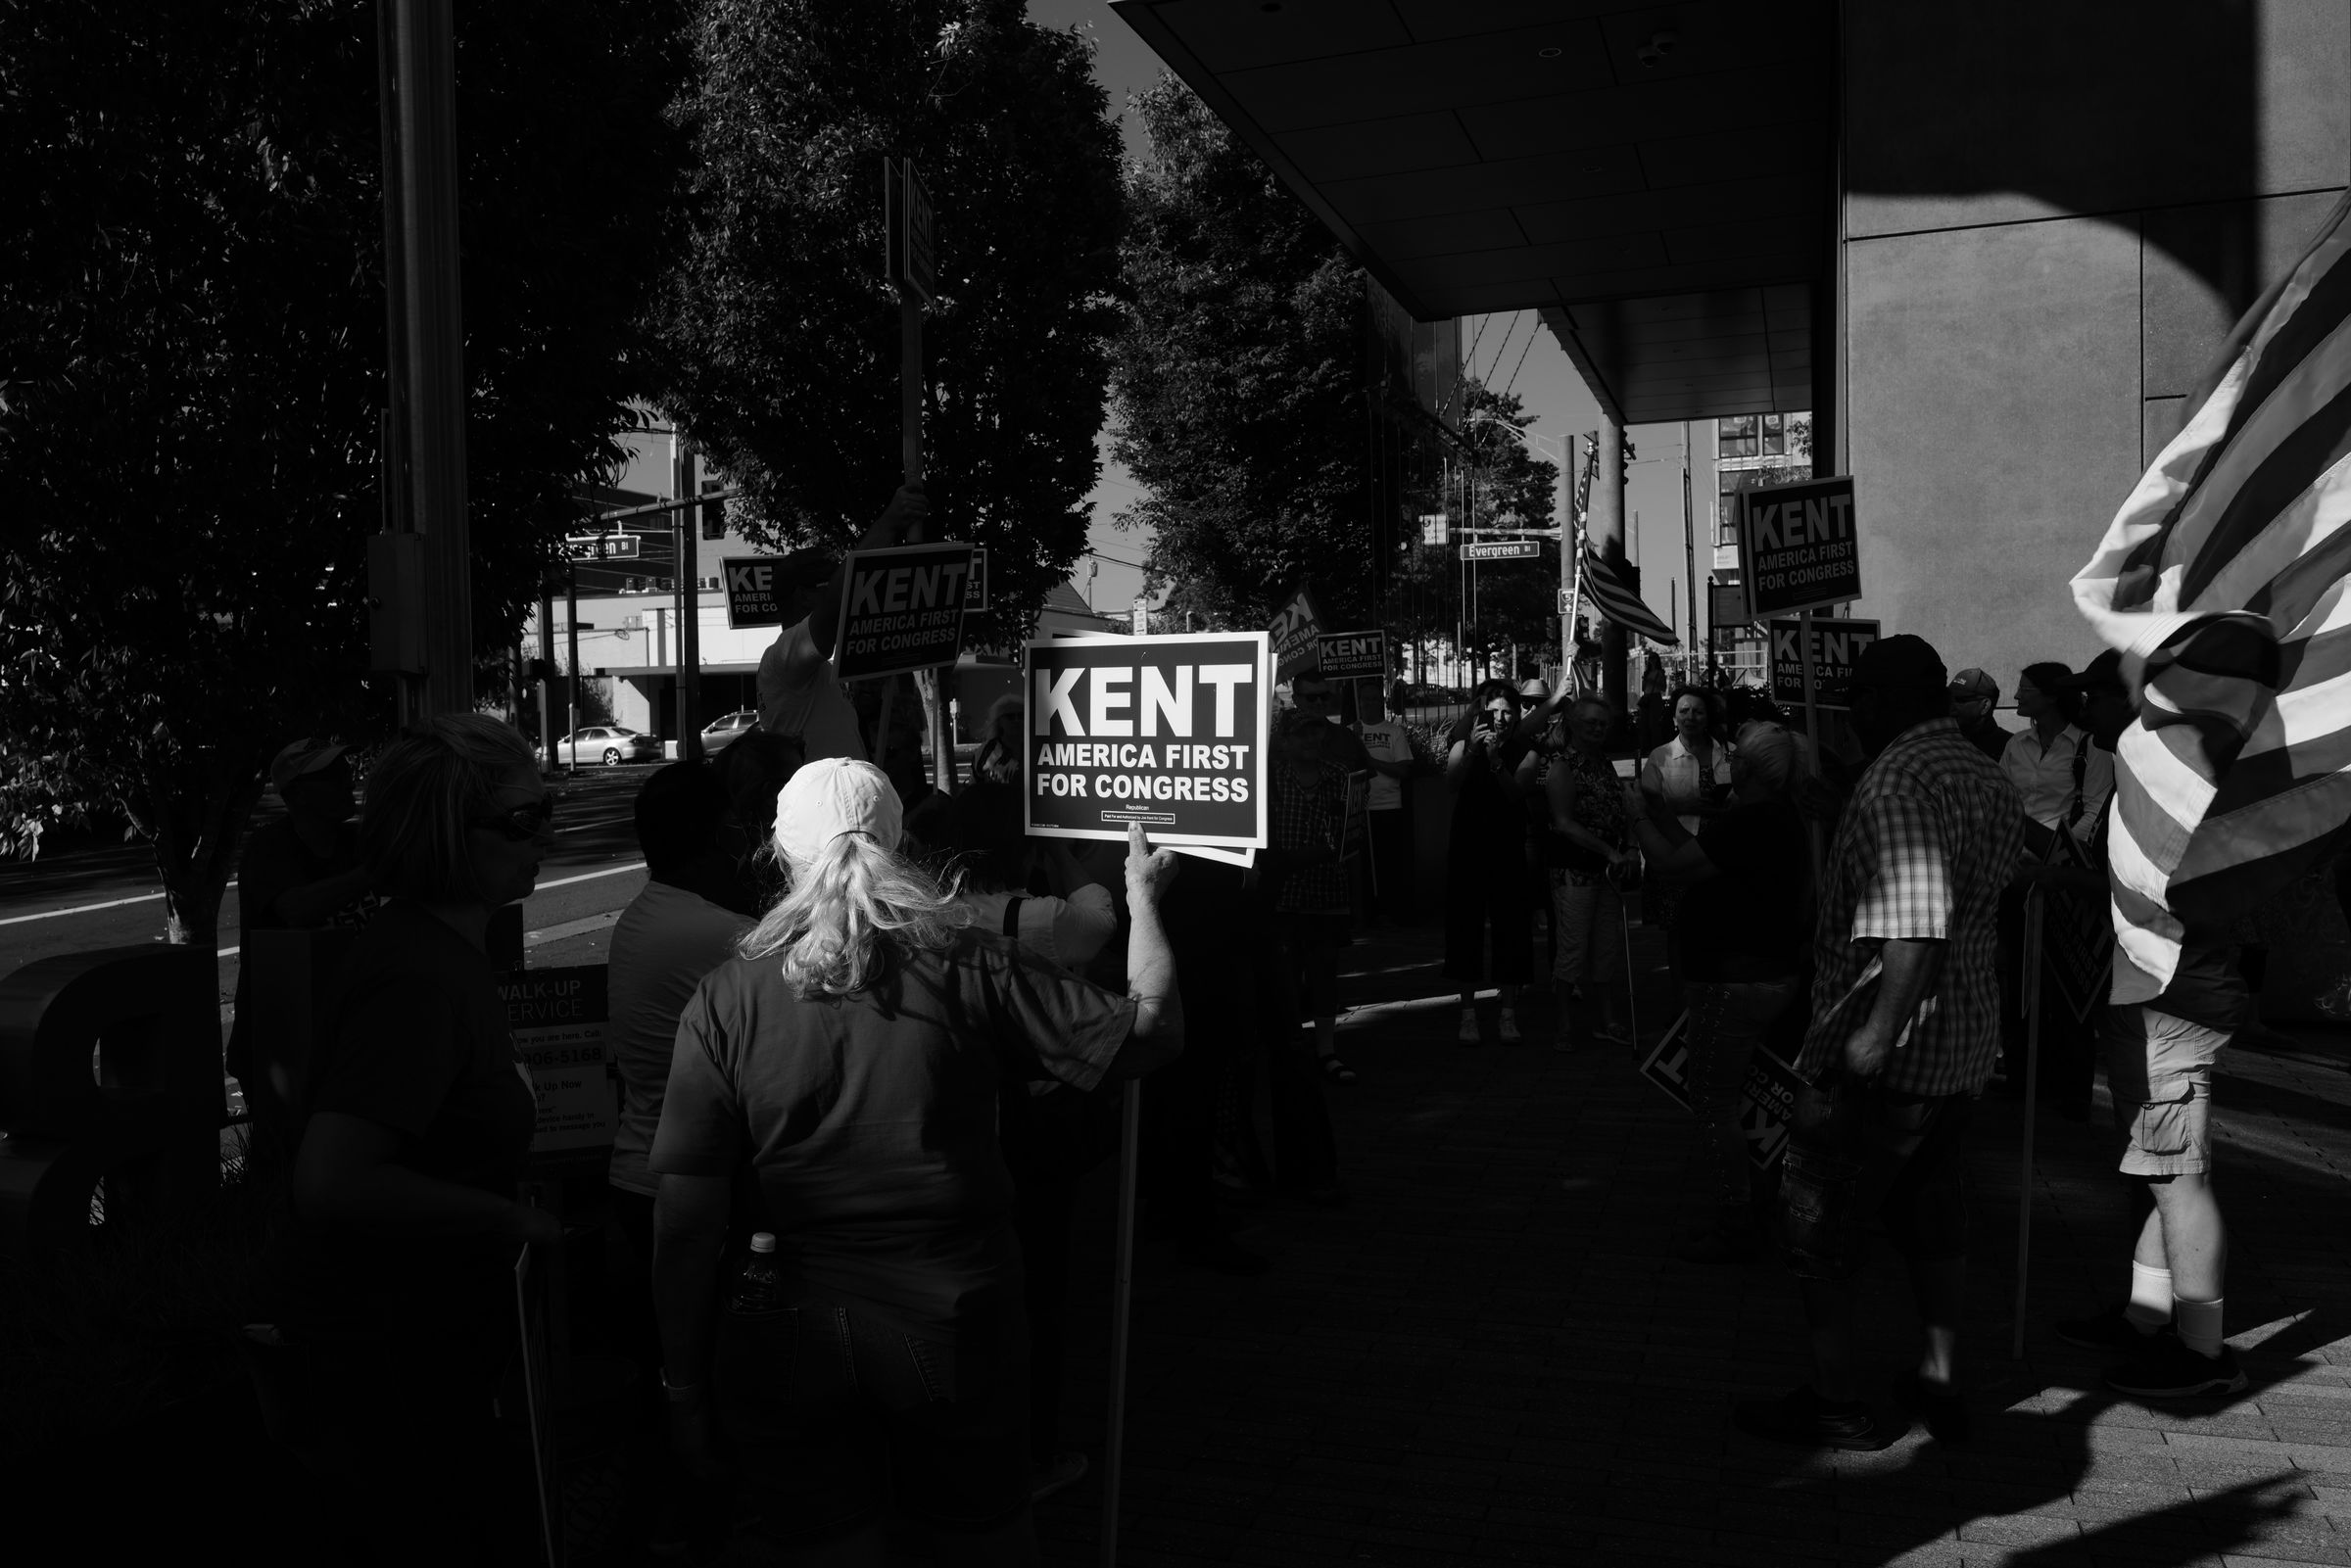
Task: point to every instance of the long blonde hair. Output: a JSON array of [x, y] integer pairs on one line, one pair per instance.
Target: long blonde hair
[[848, 912]]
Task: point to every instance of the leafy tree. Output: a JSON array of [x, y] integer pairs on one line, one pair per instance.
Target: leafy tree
[[192, 323], [1238, 384], [1517, 602], [778, 335]]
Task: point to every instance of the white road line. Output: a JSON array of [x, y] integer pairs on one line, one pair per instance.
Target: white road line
[[80, 909], [589, 875]]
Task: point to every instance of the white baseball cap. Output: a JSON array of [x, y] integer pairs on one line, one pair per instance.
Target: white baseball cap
[[831, 796]]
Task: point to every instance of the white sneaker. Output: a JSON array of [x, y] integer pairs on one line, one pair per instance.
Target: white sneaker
[[1509, 1027], [1469, 1034]]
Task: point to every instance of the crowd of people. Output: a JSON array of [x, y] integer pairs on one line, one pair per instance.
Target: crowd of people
[[869, 1039]]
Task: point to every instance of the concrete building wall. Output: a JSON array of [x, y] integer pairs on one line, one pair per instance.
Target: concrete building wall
[[2035, 274]]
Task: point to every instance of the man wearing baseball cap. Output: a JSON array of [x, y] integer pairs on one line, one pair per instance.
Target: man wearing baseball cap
[[1974, 696], [799, 692]]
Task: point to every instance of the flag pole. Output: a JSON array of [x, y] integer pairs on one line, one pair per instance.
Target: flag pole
[[1122, 1302], [2024, 1185], [1576, 591]]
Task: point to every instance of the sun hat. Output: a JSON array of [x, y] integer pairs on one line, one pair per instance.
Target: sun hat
[[831, 796], [300, 758]]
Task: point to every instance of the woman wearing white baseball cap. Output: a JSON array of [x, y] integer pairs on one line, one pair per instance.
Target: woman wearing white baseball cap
[[852, 1056]]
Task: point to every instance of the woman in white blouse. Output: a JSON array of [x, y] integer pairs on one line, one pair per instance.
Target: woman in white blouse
[[1691, 776]]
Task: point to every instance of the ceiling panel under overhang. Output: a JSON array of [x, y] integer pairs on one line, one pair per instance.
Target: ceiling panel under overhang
[[1654, 179]]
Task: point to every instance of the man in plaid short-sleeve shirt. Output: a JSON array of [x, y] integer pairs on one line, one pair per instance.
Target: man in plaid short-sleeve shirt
[[1904, 1032]]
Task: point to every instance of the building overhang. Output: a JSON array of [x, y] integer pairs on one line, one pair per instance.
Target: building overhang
[[1656, 181]]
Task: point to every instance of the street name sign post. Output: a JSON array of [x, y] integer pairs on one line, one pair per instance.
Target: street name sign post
[[1169, 732], [1503, 550], [1835, 646]]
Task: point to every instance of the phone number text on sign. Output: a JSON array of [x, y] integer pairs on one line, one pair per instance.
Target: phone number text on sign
[[1169, 732]]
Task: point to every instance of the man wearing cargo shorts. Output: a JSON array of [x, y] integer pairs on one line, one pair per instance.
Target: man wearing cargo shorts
[[1904, 1031], [2159, 1061]]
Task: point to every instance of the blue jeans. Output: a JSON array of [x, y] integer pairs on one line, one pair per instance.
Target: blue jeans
[[837, 1411]]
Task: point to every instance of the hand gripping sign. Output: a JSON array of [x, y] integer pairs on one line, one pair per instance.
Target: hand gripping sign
[[901, 609], [1169, 732]]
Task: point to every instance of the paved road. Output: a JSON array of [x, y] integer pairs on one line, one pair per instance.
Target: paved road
[[111, 897]]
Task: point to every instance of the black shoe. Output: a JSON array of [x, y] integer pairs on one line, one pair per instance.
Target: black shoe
[[1802, 1417], [2109, 1330], [2166, 1369], [1938, 1407], [1222, 1253]]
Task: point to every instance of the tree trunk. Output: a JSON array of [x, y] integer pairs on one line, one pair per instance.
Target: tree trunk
[[199, 816]]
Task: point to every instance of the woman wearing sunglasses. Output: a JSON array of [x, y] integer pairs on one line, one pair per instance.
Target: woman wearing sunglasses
[[405, 1219]]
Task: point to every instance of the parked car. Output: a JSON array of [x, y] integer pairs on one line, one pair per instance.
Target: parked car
[[720, 734], [607, 744]]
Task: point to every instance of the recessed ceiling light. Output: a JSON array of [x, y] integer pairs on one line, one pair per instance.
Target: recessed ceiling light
[[1553, 53]]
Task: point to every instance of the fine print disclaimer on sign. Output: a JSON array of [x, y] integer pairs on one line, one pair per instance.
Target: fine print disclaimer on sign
[[901, 609], [1169, 732], [1799, 546]]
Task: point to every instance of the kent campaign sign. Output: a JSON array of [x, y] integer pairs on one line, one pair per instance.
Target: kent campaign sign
[[1295, 627], [901, 609], [751, 591], [1798, 547], [1169, 732], [1348, 654], [1836, 646]]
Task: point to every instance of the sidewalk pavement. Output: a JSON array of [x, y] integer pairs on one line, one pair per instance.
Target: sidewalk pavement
[[1492, 1354]]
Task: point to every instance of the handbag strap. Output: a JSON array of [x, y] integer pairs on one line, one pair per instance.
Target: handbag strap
[[1012, 917]]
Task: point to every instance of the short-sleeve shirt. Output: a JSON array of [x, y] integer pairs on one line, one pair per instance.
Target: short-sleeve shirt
[[1067, 931], [1676, 776], [1744, 922], [1309, 816], [2043, 777], [416, 1041], [1922, 853], [1598, 805], [665, 941], [816, 710], [870, 1120], [1387, 741]]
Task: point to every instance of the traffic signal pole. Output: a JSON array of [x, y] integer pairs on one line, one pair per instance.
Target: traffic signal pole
[[432, 588], [688, 565]]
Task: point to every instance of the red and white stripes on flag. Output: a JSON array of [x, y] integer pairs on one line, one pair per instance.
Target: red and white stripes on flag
[[1613, 599], [2222, 582]]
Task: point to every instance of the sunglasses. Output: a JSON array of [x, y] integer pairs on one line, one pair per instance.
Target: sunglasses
[[520, 825]]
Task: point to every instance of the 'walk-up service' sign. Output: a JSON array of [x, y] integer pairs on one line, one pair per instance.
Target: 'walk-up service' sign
[[557, 1017], [1169, 732], [1798, 548], [1344, 656], [1836, 646], [1295, 627], [901, 609]]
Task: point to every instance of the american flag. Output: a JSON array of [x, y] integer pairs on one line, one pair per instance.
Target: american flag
[[1612, 597], [2222, 583], [1606, 591]]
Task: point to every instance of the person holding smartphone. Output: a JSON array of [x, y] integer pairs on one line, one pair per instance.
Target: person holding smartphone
[[1488, 894]]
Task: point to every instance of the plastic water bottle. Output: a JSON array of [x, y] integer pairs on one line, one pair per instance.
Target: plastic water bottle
[[759, 1288]]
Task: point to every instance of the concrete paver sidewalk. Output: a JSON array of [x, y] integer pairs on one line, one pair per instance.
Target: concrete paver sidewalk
[[1492, 1354]]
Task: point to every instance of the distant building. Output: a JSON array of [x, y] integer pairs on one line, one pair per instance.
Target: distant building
[[1749, 450]]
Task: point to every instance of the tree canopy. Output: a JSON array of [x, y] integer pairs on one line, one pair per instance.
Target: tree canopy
[[193, 324], [777, 336], [1239, 382]]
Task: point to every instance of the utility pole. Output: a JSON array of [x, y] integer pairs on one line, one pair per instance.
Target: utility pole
[[421, 580], [571, 674], [912, 269], [546, 665], [1606, 531], [1690, 549], [688, 548]]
